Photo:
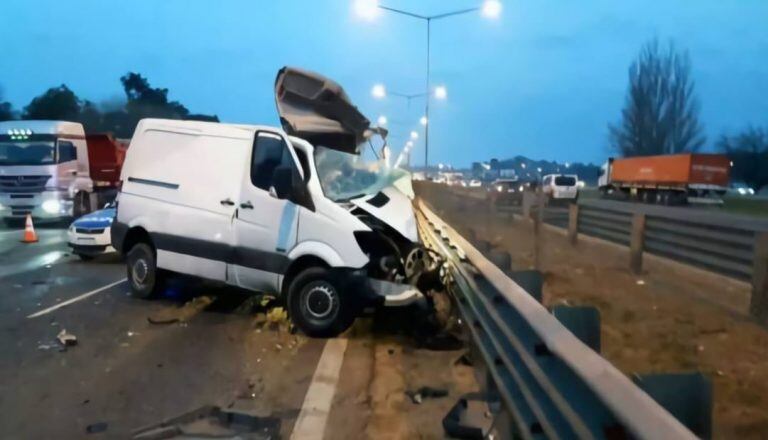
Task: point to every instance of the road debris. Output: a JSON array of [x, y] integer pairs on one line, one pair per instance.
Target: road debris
[[464, 360], [212, 422], [181, 314], [66, 339], [641, 282], [426, 392], [96, 428]]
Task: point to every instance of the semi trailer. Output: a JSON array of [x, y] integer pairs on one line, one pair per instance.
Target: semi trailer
[[53, 170], [673, 179]]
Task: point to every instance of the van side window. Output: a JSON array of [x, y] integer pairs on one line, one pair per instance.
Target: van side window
[[67, 152], [269, 152]]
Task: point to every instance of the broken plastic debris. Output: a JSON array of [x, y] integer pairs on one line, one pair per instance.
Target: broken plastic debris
[[66, 339], [426, 393], [96, 428]]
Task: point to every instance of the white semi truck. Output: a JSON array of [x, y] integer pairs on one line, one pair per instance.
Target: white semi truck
[[53, 170]]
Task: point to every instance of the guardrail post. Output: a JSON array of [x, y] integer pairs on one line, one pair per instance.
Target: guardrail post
[[636, 243], [758, 305], [573, 222], [537, 235]]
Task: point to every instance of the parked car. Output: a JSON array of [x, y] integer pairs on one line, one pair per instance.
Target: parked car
[[560, 186], [90, 235], [292, 211], [474, 183]]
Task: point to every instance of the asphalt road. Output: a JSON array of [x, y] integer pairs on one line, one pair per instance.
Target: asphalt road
[[124, 371]]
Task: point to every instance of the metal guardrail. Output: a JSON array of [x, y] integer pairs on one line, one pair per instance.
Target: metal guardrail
[[720, 243], [551, 384]]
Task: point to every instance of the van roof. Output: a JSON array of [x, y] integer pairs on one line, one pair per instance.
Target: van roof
[[202, 127], [44, 127]]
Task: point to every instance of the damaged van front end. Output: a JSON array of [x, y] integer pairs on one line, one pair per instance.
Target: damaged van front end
[[379, 197]]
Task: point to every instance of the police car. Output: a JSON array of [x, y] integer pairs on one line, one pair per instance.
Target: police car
[[89, 236]]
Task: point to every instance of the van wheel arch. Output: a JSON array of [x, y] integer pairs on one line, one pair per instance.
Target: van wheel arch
[[296, 267], [137, 235]]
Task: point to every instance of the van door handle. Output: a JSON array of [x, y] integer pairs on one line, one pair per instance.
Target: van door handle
[[246, 205], [227, 202]]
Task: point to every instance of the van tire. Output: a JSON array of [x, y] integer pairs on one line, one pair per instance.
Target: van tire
[[316, 287], [143, 276]]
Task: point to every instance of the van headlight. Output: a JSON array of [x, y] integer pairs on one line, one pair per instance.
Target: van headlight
[[51, 206]]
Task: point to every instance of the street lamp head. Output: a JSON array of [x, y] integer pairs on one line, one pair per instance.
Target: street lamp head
[[409, 144], [414, 135], [378, 91], [367, 9], [382, 120], [423, 120], [491, 9], [441, 92]]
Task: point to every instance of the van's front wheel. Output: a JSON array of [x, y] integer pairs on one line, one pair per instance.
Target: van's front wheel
[[316, 305], [143, 275]]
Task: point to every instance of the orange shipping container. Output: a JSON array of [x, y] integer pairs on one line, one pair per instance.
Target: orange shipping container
[[672, 170]]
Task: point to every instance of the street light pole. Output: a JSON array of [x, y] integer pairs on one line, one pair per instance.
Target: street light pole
[[428, 19]]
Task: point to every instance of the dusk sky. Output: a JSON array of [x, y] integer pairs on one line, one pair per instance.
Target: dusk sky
[[543, 80]]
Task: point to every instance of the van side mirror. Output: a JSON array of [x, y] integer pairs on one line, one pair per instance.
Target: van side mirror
[[289, 185]]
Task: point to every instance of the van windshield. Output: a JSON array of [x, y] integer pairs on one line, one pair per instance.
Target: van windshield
[[345, 176], [27, 153]]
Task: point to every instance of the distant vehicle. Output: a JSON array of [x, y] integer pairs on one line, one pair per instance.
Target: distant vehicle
[[506, 191], [474, 183], [741, 189], [560, 186], [89, 236], [669, 179], [264, 209], [53, 170]]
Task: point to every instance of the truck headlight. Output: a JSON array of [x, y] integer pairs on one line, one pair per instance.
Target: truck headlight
[[51, 206]]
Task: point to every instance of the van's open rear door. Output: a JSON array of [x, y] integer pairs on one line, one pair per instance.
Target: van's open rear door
[[317, 109]]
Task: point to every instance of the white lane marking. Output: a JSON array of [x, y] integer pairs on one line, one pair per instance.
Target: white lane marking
[[75, 299], [317, 403]]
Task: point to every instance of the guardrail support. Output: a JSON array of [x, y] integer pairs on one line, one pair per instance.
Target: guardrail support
[[758, 305], [636, 243], [573, 222]]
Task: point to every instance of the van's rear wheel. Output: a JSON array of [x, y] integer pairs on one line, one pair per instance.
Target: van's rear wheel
[[143, 276], [316, 305]]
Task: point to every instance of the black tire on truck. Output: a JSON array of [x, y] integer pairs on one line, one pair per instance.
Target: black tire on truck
[[144, 278], [317, 306], [81, 204]]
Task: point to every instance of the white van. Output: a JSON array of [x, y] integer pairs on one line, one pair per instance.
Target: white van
[[560, 186], [264, 209]]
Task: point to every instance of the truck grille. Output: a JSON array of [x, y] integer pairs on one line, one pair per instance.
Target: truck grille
[[23, 184], [21, 209]]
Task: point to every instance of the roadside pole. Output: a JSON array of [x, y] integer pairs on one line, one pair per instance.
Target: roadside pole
[[758, 306], [573, 223], [538, 238], [636, 243]]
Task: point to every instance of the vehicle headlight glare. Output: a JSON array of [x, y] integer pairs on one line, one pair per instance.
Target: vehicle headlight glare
[[51, 206]]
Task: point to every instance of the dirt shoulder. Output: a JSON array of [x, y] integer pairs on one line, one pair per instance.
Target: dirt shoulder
[[668, 319]]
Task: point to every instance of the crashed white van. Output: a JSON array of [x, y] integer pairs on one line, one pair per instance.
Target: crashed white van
[[293, 211]]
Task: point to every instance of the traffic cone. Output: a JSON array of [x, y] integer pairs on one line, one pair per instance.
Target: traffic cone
[[30, 236]]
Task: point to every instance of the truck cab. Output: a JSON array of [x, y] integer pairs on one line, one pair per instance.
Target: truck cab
[[43, 164]]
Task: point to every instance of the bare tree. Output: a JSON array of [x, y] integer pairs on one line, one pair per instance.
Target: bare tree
[[660, 115]]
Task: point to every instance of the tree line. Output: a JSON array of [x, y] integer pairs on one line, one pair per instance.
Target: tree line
[[661, 116], [142, 101]]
